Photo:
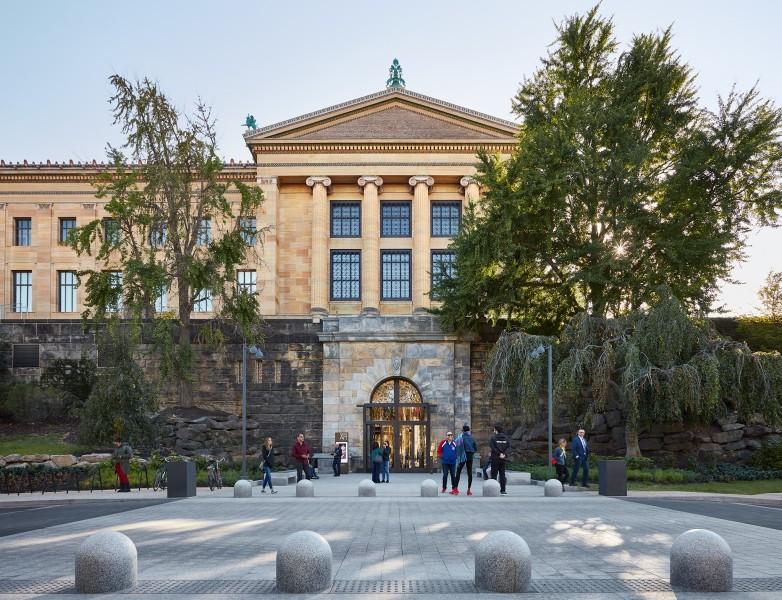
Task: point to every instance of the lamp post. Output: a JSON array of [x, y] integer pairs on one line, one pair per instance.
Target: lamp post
[[535, 353], [257, 354]]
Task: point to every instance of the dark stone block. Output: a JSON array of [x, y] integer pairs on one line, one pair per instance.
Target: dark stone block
[[612, 476], [181, 479]]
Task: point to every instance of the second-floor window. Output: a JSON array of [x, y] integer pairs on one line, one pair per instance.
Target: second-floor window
[[161, 300], [395, 275], [204, 232], [248, 228], [246, 281], [23, 231], [158, 235], [67, 224], [446, 218], [345, 219], [23, 291], [443, 262], [203, 301], [345, 275], [395, 219], [111, 231], [66, 291], [115, 280]]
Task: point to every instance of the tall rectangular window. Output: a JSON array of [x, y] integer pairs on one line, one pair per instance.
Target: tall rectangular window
[[248, 230], [446, 218], [161, 300], [23, 291], [395, 275], [66, 291], [67, 224], [158, 235], [204, 232], [443, 265], [246, 281], [23, 231], [345, 275], [115, 280], [111, 231], [345, 219], [395, 219], [203, 301]]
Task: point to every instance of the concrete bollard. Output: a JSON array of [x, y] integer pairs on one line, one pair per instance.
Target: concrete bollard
[[429, 488], [552, 488], [701, 561], [243, 489], [491, 488], [106, 562], [367, 488], [303, 563], [503, 563], [305, 489]]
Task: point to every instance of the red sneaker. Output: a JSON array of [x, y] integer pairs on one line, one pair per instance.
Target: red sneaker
[[442, 491], [454, 492], [469, 492]]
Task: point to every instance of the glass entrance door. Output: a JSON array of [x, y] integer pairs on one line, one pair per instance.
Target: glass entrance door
[[396, 414]]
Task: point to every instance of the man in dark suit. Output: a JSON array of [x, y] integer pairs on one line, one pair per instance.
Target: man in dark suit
[[580, 450]]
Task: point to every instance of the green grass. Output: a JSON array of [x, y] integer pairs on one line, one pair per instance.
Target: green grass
[[765, 486], [49, 443]]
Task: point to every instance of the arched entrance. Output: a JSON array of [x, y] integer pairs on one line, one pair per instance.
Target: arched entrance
[[396, 413]]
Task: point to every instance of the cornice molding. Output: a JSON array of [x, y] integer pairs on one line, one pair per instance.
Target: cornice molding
[[428, 147]]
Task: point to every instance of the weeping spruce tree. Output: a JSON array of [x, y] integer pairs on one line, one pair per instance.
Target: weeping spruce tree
[[621, 185], [177, 225]]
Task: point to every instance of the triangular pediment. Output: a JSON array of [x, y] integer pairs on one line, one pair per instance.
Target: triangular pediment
[[393, 114]]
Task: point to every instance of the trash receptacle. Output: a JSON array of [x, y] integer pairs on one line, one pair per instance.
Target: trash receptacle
[[612, 477]]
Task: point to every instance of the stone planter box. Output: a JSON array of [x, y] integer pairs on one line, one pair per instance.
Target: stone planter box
[[284, 477], [613, 477], [181, 479]]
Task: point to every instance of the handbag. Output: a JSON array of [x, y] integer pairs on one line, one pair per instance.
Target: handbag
[[553, 461]]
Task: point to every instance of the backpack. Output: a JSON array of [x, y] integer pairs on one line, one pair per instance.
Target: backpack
[[469, 444]]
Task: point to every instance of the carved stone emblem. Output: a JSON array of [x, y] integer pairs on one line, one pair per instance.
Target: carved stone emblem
[[396, 365]]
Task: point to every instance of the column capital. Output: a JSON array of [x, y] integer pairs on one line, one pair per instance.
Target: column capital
[[319, 179], [365, 179], [416, 179], [467, 180]]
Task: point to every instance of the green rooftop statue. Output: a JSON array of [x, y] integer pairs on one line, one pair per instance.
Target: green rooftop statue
[[249, 122], [395, 80]]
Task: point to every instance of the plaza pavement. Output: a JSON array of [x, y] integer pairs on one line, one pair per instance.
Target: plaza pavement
[[578, 542]]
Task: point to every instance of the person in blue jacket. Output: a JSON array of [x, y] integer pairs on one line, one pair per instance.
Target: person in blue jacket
[[465, 450], [447, 453]]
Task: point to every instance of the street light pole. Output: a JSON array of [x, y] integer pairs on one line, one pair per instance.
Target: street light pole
[[244, 410], [550, 407]]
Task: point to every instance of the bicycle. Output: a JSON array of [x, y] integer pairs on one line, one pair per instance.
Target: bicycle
[[213, 473], [160, 475]]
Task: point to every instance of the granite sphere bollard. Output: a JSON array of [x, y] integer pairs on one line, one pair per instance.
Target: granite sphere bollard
[[243, 489], [303, 563], [491, 488], [552, 488], [503, 563], [429, 488], [305, 489], [106, 562], [367, 488], [701, 561]]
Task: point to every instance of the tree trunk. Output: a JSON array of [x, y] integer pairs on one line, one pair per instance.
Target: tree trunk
[[631, 443], [185, 367]]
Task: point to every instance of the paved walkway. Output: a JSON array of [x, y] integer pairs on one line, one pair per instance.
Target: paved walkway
[[397, 537]]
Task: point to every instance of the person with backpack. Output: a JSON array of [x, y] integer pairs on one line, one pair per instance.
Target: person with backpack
[[500, 446], [447, 453], [465, 450], [267, 463], [376, 457]]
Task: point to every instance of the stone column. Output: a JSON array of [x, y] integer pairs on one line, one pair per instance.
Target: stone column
[[421, 217], [319, 275], [370, 245], [471, 191]]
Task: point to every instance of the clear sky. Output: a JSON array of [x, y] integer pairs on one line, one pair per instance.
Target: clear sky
[[278, 60]]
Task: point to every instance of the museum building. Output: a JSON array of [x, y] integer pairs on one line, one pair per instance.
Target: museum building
[[361, 200]]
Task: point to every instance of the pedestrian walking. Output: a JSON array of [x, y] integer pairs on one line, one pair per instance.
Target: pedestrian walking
[[386, 468], [267, 464], [301, 457], [465, 450], [580, 450], [500, 446], [376, 457], [560, 461], [447, 453], [336, 464], [121, 458]]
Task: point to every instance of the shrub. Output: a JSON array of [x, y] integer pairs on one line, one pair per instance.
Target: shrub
[[75, 378], [731, 472], [30, 403], [769, 456]]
